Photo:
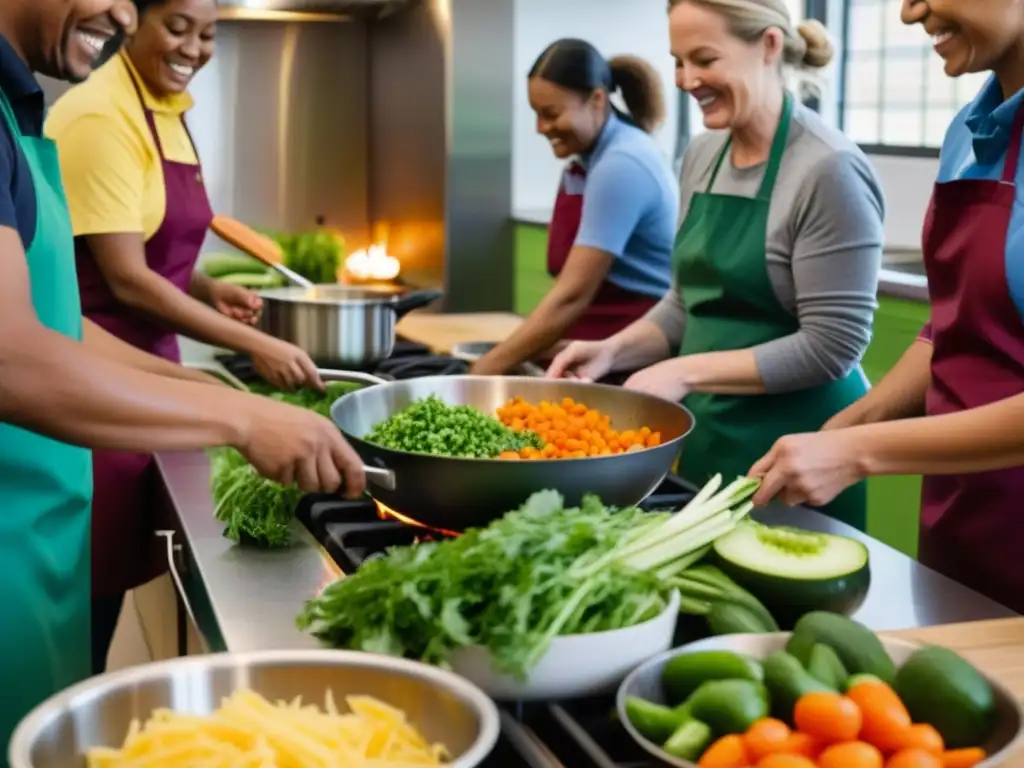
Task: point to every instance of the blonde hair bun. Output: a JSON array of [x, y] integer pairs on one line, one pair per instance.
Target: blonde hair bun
[[820, 51]]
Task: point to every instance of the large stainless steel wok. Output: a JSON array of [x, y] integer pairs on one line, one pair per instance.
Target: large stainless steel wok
[[336, 325], [455, 493]]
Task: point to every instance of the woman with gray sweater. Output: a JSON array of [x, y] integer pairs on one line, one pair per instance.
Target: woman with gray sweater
[[776, 261]]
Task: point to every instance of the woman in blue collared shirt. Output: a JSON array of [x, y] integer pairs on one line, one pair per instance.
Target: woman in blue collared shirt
[[953, 407], [611, 233]]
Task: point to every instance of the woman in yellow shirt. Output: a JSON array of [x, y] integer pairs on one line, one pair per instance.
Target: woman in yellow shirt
[[140, 213]]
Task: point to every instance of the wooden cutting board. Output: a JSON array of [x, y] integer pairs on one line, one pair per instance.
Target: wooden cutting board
[[442, 332]]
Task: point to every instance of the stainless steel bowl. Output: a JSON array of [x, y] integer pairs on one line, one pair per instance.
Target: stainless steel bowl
[[445, 708], [645, 682]]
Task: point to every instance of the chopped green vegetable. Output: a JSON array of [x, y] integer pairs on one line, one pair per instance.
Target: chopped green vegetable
[[536, 573], [432, 426], [256, 510]]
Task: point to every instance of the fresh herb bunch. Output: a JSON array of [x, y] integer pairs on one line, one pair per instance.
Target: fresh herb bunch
[[430, 425], [256, 510], [510, 587]]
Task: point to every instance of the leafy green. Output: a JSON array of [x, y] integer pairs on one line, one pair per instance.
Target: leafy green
[[510, 587], [258, 511], [309, 399], [316, 255], [430, 425], [255, 510]]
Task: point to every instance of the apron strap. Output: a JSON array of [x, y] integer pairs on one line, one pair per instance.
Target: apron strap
[[1013, 151], [774, 156], [150, 119], [778, 149]]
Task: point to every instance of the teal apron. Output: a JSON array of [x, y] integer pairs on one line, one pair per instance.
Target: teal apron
[[45, 488], [720, 265]]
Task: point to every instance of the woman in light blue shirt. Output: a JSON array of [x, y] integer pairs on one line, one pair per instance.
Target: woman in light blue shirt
[[610, 240], [952, 409]]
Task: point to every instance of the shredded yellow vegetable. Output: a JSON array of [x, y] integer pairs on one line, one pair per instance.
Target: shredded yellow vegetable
[[248, 731]]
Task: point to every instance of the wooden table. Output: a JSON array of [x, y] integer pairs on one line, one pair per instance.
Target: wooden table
[[441, 332], [994, 647]]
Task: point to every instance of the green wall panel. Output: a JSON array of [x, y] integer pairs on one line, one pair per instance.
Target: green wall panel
[[893, 502]]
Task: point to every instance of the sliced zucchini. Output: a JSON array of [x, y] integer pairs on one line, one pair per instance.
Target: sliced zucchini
[[793, 571]]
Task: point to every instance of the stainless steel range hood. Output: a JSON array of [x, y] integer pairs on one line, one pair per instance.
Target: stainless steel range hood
[[308, 10]]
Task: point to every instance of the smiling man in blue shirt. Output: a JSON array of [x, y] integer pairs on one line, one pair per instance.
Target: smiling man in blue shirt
[[67, 386]]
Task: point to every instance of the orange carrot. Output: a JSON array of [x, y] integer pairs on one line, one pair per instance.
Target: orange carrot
[[572, 430], [963, 758]]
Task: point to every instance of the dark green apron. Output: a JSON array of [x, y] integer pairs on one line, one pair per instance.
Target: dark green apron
[[720, 266], [45, 488]]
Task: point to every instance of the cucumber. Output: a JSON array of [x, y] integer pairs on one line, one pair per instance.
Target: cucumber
[[686, 673], [826, 666], [941, 688], [708, 577], [220, 264], [793, 571], [252, 280], [786, 681], [735, 619], [858, 648], [689, 741], [729, 706], [653, 721]]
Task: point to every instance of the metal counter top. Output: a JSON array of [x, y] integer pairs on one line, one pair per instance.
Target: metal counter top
[[246, 600]]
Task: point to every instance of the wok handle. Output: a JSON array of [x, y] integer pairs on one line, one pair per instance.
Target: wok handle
[[385, 478], [358, 377], [415, 300]]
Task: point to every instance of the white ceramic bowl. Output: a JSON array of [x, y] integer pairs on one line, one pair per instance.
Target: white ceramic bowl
[[574, 665], [645, 683]]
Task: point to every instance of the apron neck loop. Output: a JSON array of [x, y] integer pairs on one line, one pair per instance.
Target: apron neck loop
[[1013, 150], [774, 156]]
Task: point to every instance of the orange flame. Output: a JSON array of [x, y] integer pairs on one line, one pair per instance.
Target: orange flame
[[385, 512]]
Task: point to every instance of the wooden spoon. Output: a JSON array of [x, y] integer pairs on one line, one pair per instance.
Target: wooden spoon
[[248, 240]]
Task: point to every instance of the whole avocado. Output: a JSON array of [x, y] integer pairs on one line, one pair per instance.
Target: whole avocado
[[941, 688]]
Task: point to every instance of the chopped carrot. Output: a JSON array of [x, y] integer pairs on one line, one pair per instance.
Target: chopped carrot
[[963, 758], [886, 720], [851, 754], [914, 758], [803, 744], [727, 752], [572, 430], [828, 716], [924, 737], [766, 737], [786, 761]]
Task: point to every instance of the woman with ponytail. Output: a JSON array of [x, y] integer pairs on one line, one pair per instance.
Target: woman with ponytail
[[610, 238]]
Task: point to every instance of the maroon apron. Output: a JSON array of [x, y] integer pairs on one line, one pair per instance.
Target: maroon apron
[[612, 308], [971, 529], [124, 548]]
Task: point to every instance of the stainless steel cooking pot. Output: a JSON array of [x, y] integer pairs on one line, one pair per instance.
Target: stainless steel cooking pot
[[339, 326], [455, 493], [445, 708]]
